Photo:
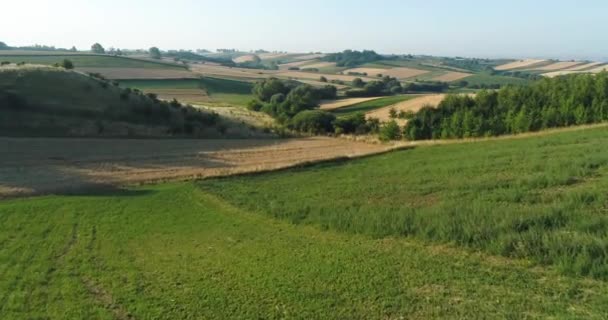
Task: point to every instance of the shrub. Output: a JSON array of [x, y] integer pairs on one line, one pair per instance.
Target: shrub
[[313, 121], [390, 131], [323, 79], [67, 64], [4, 63], [255, 105]]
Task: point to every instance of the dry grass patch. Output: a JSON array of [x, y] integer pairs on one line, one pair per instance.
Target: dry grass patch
[[140, 73], [451, 76], [320, 65], [412, 105], [297, 64], [337, 104], [585, 66], [519, 64], [238, 73], [558, 66], [33, 166], [245, 58]]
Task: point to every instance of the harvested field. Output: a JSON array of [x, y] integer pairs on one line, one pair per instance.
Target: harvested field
[[297, 64], [337, 104], [599, 69], [451, 76], [558, 66], [320, 65], [245, 58], [33, 166], [240, 73], [560, 73], [595, 67], [519, 64], [585, 66], [270, 56], [309, 56], [140, 73], [322, 84], [315, 76], [400, 73], [409, 105]]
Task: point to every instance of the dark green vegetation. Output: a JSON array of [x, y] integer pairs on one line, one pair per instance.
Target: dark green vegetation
[[49, 102], [91, 61], [539, 198], [384, 87], [350, 58], [295, 106], [488, 80], [356, 243], [549, 103], [368, 106]]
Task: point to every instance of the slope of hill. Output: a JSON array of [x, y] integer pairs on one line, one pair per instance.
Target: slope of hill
[[458, 231], [53, 102]]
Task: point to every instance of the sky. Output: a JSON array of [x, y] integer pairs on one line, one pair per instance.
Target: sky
[[469, 28]]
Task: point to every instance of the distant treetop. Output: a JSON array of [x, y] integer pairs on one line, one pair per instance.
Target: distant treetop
[[350, 58], [97, 48]]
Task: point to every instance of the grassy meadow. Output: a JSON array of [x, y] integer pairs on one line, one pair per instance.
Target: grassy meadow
[[413, 234], [91, 61], [541, 199]]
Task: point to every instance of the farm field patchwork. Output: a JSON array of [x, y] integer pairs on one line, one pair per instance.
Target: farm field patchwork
[[558, 66], [402, 235], [371, 105], [451, 76], [519, 64]]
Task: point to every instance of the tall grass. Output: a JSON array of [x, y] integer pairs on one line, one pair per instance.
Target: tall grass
[[541, 198]]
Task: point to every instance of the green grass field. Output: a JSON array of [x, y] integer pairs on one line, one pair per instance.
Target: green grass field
[[387, 237], [91, 61], [370, 105], [488, 79], [219, 91]]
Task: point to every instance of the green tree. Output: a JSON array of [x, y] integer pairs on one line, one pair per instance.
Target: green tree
[[390, 131], [98, 48], [155, 53], [67, 64]]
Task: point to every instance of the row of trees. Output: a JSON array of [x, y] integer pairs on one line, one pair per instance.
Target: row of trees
[[390, 86], [350, 58], [295, 105], [548, 103]]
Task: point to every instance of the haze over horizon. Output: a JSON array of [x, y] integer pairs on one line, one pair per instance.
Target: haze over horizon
[[517, 29]]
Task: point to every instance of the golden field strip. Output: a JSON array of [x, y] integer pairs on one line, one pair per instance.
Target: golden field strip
[[399, 73], [558, 66], [337, 104], [45, 165], [140, 73], [412, 105], [519, 64], [451, 76]]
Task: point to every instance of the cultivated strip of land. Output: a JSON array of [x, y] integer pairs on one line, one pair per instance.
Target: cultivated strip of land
[[519, 64], [33, 166]]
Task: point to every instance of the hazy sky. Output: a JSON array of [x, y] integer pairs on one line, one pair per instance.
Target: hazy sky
[[505, 28]]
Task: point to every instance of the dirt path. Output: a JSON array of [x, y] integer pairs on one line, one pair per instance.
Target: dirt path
[[31, 166]]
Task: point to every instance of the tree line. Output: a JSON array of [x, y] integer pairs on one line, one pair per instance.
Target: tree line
[[350, 58], [548, 103], [295, 105]]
